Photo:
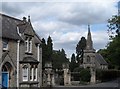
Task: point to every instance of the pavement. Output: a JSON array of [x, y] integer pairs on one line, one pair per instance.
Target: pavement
[[115, 84]]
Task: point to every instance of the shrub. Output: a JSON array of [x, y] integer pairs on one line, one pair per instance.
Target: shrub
[[85, 75], [107, 75]]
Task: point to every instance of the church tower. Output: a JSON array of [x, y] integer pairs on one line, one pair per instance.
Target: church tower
[[89, 52], [89, 57]]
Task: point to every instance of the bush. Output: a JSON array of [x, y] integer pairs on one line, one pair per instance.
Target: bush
[[107, 75], [85, 75]]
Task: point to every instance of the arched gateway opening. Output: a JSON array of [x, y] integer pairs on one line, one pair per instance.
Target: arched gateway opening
[[6, 74]]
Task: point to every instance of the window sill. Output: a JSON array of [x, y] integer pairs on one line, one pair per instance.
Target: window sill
[[4, 50], [29, 53], [29, 82]]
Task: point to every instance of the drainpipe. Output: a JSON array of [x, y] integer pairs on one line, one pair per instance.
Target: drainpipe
[[38, 59], [18, 52], [0, 57], [40, 66], [38, 52]]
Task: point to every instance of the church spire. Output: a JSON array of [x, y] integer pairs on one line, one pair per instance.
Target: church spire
[[89, 44]]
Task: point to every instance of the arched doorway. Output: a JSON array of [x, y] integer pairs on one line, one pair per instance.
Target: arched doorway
[[6, 74]]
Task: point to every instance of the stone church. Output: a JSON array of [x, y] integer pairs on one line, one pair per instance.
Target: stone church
[[91, 58], [21, 53]]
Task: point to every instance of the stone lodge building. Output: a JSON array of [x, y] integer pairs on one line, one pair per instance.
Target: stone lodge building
[[21, 53]]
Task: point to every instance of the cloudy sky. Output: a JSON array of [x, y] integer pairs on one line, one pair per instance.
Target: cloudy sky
[[66, 21]]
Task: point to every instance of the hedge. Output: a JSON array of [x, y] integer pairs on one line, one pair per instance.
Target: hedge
[[107, 75]]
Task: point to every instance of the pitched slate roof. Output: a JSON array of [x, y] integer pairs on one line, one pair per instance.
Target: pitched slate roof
[[100, 59], [26, 28], [37, 39], [9, 26]]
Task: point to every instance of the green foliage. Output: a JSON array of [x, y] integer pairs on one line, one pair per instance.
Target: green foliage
[[78, 69], [107, 75], [81, 74], [79, 49], [44, 52], [59, 57], [85, 75], [114, 25], [73, 63], [112, 52], [49, 48], [49, 55], [113, 47]]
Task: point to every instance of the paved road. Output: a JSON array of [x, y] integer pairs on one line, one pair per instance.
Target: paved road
[[106, 85]]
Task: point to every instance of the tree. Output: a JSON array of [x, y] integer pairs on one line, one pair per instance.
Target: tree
[[73, 63], [44, 52], [114, 46], [49, 49], [63, 55], [105, 54], [114, 26], [112, 52], [59, 57], [80, 49]]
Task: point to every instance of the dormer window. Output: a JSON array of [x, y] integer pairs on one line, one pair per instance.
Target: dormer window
[[28, 44], [5, 44]]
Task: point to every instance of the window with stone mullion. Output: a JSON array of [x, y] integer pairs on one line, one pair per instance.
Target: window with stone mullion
[[25, 73], [31, 73], [35, 73], [28, 44]]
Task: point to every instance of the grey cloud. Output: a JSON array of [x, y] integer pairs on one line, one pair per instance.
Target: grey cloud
[[12, 8], [18, 8], [88, 13], [66, 17]]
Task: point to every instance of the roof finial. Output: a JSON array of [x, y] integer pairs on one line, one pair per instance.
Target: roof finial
[[24, 19], [29, 18]]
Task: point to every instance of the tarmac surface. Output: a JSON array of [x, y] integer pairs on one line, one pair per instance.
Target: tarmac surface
[[105, 85]]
